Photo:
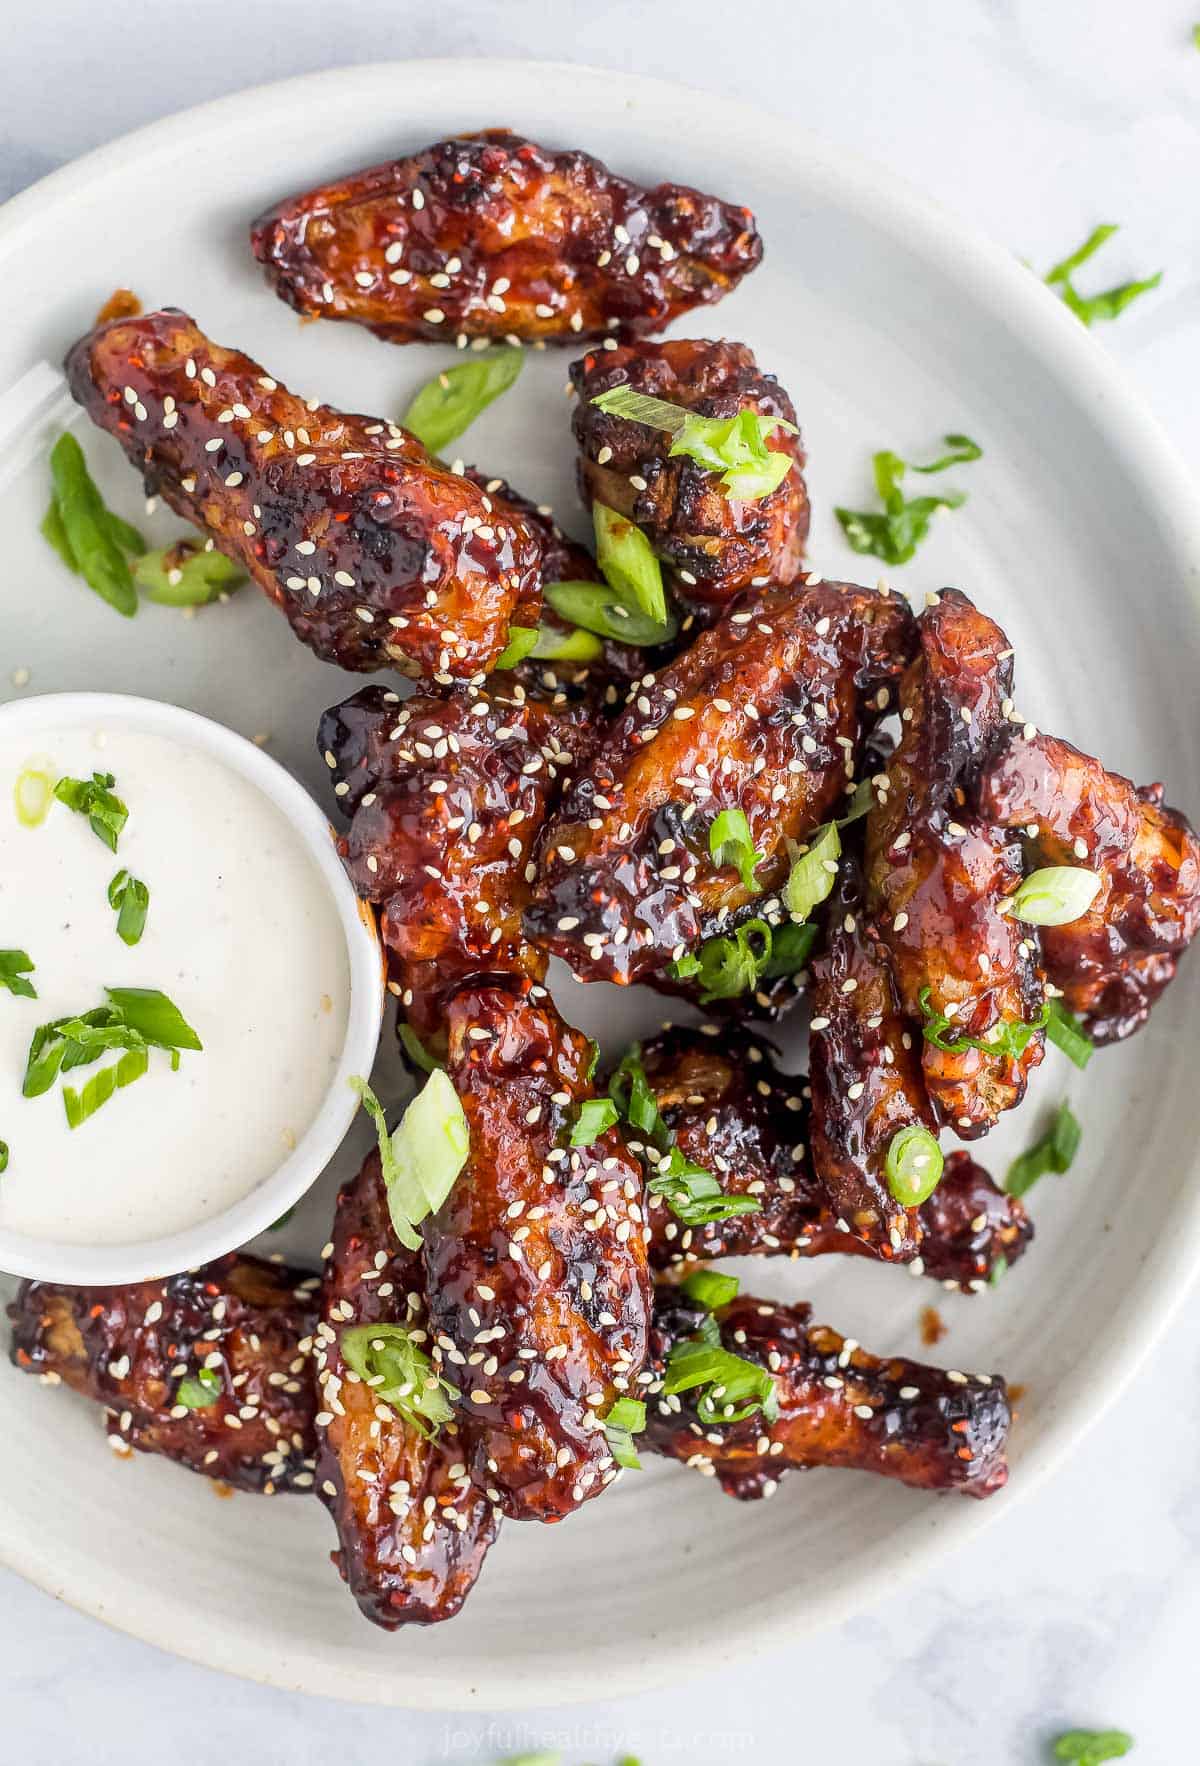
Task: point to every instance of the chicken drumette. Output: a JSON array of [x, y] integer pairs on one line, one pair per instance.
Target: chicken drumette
[[379, 556], [490, 236]]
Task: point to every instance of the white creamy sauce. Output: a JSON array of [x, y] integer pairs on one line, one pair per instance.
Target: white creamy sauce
[[241, 933]]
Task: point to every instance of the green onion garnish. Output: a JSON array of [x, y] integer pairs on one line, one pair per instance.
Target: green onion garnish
[[415, 1049], [451, 401], [628, 565], [79, 1105], [736, 446], [1067, 1033], [155, 1017], [121, 532], [731, 843], [813, 873], [86, 528], [895, 534], [3, 1157], [522, 641], [1054, 896], [596, 1116], [15, 965], [598, 609], [33, 794], [1007, 1040], [1092, 1747], [191, 573], [198, 1391], [1053, 1152], [424, 1155], [626, 1418], [734, 1388], [692, 1193], [554, 645], [726, 966], [913, 1166], [1109, 304], [94, 798], [135, 1018], [710, 1290], [130, 897], [399, 1373]]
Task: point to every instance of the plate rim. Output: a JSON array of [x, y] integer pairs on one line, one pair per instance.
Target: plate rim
[[991, 276]]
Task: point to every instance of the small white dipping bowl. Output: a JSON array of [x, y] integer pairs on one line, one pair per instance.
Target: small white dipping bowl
[[148, 1258]]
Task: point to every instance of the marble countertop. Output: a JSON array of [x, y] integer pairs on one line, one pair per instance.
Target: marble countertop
[[1037, 119]]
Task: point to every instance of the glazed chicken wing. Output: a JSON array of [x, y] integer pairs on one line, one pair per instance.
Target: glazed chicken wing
[[715, 544], [838, 1406], [937, 872], [1113, 962], [446, 799], [538, 1288], [413, 1529], [209, 1368], [379, 556], [490, 236], [731, 1111], [764, 714]]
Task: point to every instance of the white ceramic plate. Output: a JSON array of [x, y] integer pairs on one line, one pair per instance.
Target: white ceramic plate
[[890, 324]]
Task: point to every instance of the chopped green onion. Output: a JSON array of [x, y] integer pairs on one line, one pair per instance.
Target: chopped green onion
[[693, 1194], [596, 1116], [154, 1016], [198, 1391], [1109, 304], [630, 1091], [399, 1373], [3, 1157], [135, 1018], [79, 1105], [731, 843], [33, 794], [1092, 1747], [710, 1290], [1054, 896], [734, 446], [626, 1418], [451, 401], [1007, 1039], [733, 1388], [999, 1271], [913, 1165], [597, 608], [131, 898], [576, 645], [1055, 1151], [726, 966], [415, 1049], [522, 641], [1067, 1033], [628, 565], [94, 798], [895, 534], [862, 801], [813, 873], [121, 532], [191, 573], [283, 1218], [86, 532], [424, 1155], [15, 965], [53, 531]]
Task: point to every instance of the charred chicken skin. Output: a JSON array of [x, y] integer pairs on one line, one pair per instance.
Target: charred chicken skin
[[413, 1529], [538, 1287], [764, 713], [937, 873], [446, 799], [209, 1368], [1113, 962], [734, 1113], [838, 1406], [489, 236], [379, 556], [716, 545]]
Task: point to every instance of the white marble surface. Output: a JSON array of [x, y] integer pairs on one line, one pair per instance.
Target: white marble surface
[[1036, 118]]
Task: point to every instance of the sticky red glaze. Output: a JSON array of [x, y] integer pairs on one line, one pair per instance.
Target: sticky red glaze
[[1112, 963], [926, 1428], [413, 1529], [537, 1278], [414, 568], [491, 236], [765, 713], [130, 1348], [937, 873], [447, 797], [715, 545], [732, 1111]]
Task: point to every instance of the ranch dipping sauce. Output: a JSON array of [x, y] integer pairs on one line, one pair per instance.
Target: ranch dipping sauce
[[241, 933]]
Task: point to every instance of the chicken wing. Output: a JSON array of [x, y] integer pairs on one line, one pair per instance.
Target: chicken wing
[[379, 556], [413, 1529], [731, 1111], [446, 798], [716, 544], [1113, 962], [937, 873], [838, 1406], [538, 1287], [209, 1368], [490, 236], [763, 714]]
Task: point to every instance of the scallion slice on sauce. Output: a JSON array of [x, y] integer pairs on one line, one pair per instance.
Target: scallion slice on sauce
[[913, 1166], [736, 446], [731, 843], [95, 799], [626, 1418], [422, 1158], [1054, 896], [130, 897], [15, 968], [400, 1374]]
